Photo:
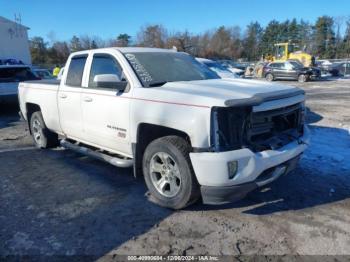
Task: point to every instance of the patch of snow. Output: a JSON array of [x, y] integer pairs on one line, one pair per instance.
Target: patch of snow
[[329, 150]]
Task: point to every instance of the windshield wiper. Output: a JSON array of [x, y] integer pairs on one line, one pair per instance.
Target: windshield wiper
[[154, 84]]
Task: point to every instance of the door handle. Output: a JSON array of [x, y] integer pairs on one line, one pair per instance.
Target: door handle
[[63, 96], [87, 99]]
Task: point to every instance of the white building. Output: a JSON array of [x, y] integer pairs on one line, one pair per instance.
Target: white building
[[14, 41]]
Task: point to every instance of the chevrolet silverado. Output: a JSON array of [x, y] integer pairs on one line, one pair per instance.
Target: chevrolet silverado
[[189, 133]]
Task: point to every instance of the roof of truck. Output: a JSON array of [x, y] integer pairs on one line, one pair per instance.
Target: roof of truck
[[128, 50], [142, 49]]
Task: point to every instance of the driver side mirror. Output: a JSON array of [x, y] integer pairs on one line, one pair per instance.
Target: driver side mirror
[[110, 81]]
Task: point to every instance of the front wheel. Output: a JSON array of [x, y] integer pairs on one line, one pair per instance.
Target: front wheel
[[42, 136], [168, 173], [269, 77], [302, 78]]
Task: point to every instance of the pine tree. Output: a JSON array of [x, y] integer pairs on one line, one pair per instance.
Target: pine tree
[[252, 41], [38, 50], [270, 36], [123, 40], [345, 46], [325, 37], [75, 44]]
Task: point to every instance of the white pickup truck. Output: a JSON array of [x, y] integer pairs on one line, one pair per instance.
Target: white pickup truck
[[188, 132]]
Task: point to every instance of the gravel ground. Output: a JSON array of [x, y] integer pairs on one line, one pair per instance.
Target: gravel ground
[[56, 202]]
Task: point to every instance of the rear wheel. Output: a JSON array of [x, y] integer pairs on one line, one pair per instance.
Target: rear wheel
[[168, 173], [269, 77], [42, 136], [302, 78]]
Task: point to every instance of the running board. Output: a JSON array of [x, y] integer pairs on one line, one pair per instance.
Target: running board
[[116, 161]]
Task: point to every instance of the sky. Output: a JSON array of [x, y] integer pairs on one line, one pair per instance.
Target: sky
[[60, 20]]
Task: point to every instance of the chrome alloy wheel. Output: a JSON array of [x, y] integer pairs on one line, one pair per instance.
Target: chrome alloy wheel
[[165, 174], [37, 131]]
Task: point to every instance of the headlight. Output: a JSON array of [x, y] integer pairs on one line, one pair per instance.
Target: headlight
[[227, 127]]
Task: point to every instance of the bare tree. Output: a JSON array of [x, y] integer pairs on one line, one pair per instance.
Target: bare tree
[[181, 40], [152, 36]]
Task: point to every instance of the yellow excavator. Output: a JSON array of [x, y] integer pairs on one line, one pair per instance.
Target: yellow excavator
[[286, 51]]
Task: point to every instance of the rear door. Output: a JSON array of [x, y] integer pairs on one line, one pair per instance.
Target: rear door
[[277, 69], [106, 110], [69, 98], [290, 71], [283, 70]]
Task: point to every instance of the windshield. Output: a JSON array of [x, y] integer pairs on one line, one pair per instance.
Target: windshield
[[158, 68]]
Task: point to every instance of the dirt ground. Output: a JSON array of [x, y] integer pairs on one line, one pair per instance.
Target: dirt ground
[[57, 202]]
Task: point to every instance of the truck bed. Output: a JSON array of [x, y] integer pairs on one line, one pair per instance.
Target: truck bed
[[45, 82], [44, 94]]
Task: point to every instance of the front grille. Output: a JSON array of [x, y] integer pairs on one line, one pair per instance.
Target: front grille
[[274, 128], [236, 128]]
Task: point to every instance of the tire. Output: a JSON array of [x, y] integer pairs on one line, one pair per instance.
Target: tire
[[269, 77], [166, 162], [302, 78], [42, 136]]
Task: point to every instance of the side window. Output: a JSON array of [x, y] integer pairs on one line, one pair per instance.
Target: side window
[[279, 65], [101, 65], [75, 71], [288, 66]]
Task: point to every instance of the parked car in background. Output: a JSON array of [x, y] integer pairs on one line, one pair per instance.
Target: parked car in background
[[236, 68], [323, 64], [218, 68], [11, 61], [290, 70], [340, 68], [43, 73], [10, 76]]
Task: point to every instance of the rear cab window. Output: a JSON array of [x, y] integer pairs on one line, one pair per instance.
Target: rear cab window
[[76, 71]]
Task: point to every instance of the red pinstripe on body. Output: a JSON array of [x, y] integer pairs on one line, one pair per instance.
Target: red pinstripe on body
[[134, 98]]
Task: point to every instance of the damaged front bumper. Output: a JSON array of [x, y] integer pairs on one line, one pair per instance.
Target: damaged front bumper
[[253, 170]]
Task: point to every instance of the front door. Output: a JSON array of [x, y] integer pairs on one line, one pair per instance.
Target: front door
[[279, 70], [106, 110]]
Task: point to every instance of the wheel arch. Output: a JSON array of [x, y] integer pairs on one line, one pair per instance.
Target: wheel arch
[[146, 133], [30, 109]]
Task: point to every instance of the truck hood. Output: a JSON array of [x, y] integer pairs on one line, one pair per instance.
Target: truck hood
[[226, 92]]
